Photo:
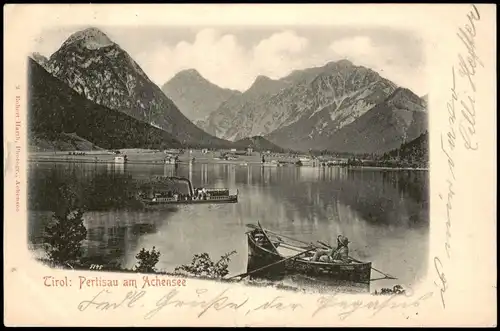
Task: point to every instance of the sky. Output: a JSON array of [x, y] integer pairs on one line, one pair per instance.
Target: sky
[[232, 57]]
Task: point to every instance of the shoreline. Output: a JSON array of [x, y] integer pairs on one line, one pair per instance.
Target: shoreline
[[153, 157], [388, 168], [284, 284], [61, 159]]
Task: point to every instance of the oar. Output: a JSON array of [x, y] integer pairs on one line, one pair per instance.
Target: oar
[[386, 275], [268, 239], [326, 245], [290, 247], [253, 226], [244, 275], [322, 243], [286, 245], [380, 278]]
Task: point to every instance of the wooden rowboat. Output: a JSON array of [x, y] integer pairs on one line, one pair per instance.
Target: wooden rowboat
[[276, 247]]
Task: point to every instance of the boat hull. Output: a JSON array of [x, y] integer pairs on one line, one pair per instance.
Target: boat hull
[[167, 197], [259, 257], [151, 202]]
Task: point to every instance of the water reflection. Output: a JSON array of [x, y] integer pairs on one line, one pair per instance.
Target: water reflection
[[384, 213]]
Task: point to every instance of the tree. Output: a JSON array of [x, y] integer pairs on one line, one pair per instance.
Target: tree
[[202, 265], [66, 231], [147, 260]]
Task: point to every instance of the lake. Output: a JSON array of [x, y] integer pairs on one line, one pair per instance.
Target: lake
[[384, 213]]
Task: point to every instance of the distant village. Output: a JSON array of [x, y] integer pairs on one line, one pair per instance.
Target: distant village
[[243, 157], [173, 156]]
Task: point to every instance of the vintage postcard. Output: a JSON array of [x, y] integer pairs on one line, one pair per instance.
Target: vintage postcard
[[250, 165]]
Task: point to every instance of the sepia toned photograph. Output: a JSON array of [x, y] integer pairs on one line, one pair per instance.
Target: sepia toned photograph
[[297, 157], [249, 165]]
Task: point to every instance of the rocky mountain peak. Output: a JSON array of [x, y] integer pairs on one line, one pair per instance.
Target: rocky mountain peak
[[91, 38], [99, 69], [39, 58], [404, 98], [339, 65], [425, 99], [262, 78], [342, 78], [264, 84], [195, 96], [188, 75], [345, 63], [190, 72], [305, 104]]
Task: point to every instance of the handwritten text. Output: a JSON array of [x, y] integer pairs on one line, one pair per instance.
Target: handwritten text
[[461, 127]]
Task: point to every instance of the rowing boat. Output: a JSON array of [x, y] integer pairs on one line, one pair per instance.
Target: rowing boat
[[276, 247]]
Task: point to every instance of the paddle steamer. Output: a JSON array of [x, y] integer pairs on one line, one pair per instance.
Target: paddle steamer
[[178, 190]]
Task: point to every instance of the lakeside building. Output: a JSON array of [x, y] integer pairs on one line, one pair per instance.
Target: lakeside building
[[235, 152], [121, 159], [173, 151]]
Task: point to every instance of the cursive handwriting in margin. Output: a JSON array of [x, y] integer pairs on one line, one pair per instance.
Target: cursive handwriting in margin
[[461, 108], [346, 308], [220, 302], [203, 301]]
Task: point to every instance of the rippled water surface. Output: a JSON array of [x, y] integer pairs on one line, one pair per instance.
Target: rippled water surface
[[385, 214]]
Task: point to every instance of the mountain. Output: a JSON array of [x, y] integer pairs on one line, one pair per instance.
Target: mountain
[[258, 143], [235, 117], [425, 99], [55, 110], [339, 107], [40, 59], [60, 142], [415, 152], [304, 105], [400, 118], [195, 96], [99, 69]]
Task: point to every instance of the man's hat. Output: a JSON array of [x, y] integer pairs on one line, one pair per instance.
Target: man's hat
[[343, 240]]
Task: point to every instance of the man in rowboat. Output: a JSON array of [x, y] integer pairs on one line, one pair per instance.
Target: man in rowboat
[[341, 253]]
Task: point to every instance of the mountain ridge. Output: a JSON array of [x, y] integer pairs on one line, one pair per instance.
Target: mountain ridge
[[301, 95], [307, 107], [339, 106], [251, 99], [384, 127], [415, 152], [54, 109], [39, 58], [258, 143], [99, 69], [195, 96]]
